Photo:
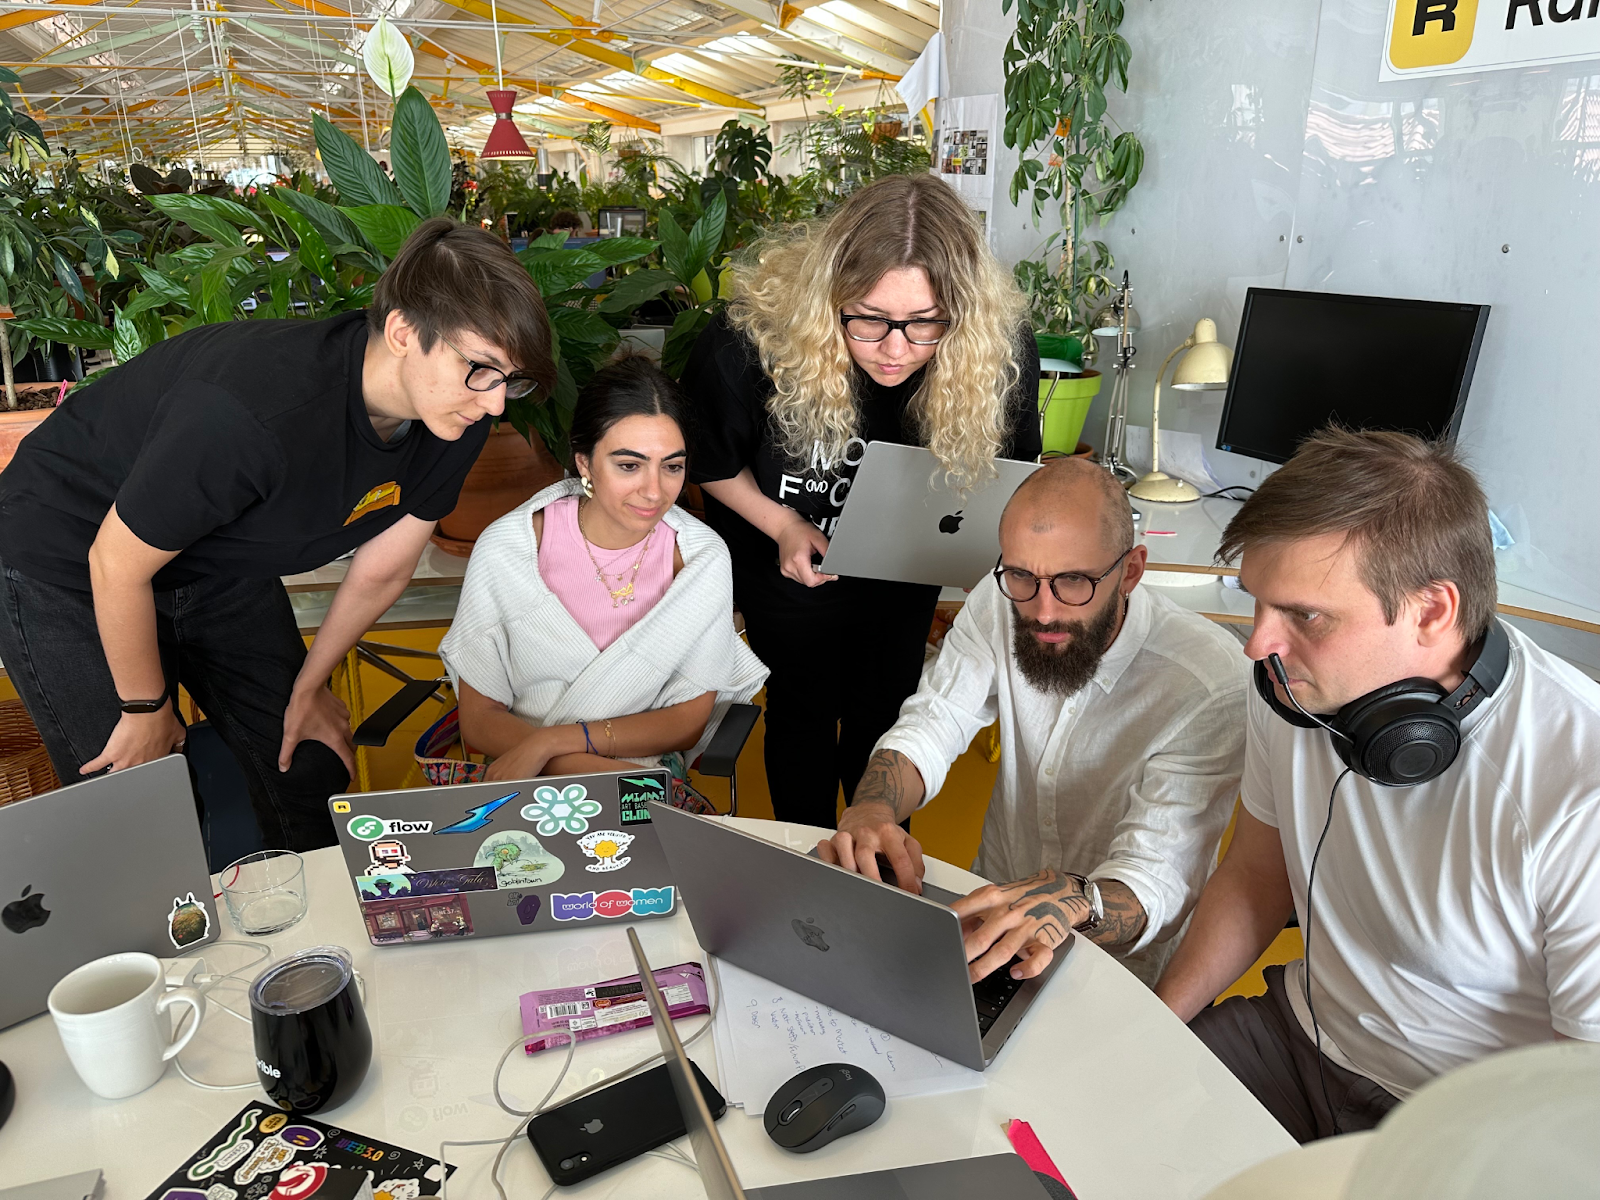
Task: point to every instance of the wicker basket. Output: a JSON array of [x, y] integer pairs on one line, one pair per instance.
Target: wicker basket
[[25, 768]]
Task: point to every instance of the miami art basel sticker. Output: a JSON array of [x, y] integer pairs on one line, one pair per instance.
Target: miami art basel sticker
[[640, 902]]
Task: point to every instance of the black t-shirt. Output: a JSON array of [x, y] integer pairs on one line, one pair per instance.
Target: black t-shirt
[[247, 446], [728, 391]]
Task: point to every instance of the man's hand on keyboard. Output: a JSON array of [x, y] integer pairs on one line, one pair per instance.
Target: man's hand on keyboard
[[1029, 918], [867, 831]]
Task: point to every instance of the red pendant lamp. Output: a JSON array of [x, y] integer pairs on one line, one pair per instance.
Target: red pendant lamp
[[505, 139]]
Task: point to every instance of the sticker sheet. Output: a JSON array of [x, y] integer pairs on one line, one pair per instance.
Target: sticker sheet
[[266, 1154]]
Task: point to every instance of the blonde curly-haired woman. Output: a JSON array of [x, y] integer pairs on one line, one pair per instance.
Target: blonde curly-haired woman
[[889, 322]]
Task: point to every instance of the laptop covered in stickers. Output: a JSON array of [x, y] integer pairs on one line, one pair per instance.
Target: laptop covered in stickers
[[113, 864], [484, 859]]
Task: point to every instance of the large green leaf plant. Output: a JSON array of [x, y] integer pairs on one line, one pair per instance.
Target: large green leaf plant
[[1073, 159]]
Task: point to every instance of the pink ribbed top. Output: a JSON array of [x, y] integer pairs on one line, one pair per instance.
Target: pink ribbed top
[[566, 569]]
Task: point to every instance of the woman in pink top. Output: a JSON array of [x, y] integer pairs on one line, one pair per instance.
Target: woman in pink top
[[595, 625]]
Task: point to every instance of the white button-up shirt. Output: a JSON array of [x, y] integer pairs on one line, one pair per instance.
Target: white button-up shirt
[[1133, 778]]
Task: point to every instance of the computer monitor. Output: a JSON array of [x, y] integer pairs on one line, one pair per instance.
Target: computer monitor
[[1366, 362]]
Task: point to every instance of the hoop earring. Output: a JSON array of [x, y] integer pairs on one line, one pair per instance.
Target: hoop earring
[[588, 488]]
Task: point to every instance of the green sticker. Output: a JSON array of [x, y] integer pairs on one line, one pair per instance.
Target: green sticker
[[366, 829], [634, 794]]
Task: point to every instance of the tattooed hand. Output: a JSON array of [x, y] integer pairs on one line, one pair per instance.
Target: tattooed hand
[[1032, 918]]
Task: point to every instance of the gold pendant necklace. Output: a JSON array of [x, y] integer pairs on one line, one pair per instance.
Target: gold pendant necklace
[[624, 594]]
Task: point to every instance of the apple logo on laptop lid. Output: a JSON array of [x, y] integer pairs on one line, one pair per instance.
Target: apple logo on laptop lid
[[26, 913]]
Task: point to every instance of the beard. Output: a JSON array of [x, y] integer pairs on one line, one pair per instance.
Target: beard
[[1063, 668]]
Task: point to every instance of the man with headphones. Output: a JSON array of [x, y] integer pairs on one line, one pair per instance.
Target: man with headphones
[[1415, 790]]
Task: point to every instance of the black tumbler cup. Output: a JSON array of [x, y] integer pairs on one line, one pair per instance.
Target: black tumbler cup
[[313, 1045]]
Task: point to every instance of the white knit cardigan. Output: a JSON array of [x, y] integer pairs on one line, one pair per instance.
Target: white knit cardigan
[[515, 642]]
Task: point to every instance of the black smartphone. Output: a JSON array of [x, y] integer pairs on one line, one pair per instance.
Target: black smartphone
[[614, 1125]]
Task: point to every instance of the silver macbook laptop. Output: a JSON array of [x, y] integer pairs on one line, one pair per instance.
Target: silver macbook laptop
[[901, 520], [992, 1176], [491, 858], [867, 948], [112, 864]]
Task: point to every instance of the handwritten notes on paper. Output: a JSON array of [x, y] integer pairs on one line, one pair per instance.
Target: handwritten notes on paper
[[766, 1034]]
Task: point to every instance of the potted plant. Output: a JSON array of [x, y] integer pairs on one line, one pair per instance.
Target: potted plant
[[1058, 64]]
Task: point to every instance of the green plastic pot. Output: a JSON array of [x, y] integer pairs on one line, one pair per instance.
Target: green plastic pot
[[1065, 409]]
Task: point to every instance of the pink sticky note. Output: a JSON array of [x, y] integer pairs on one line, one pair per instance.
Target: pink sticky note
[[1026, 1143]]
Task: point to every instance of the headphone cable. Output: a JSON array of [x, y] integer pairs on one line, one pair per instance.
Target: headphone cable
[[1311, 883]]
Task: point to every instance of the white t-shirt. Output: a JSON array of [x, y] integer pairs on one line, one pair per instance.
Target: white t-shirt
[[1456, 918]]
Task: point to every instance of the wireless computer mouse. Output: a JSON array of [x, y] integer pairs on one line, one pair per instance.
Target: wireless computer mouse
[[822, 1104]]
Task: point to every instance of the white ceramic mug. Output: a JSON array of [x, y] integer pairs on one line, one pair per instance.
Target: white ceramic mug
[[112, 1018]]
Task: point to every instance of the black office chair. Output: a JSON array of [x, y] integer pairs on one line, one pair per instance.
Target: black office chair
[[720, 758]]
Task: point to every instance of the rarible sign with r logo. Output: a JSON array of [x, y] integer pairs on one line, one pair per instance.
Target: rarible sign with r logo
[[370, 829], [1456, 37]]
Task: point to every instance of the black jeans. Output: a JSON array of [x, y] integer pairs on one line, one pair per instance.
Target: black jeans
[[232, 642], [840, 672], [1261, 1041]]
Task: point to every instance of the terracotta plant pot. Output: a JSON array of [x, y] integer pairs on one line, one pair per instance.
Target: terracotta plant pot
[[508, 472], [14, 426]]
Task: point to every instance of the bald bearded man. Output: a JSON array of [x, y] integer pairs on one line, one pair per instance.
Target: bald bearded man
[[1121, 740]]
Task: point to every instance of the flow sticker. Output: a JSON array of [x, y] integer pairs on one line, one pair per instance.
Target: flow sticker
[[608, 847], [640, 902], [370, 829], [564, 811], [518, 860], [188, 922], [480, 815], [234, 1147]]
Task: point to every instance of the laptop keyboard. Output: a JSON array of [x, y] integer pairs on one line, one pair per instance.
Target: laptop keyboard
[[992, 993]]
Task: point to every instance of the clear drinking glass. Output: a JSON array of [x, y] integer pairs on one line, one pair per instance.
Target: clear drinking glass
[[265, 891]]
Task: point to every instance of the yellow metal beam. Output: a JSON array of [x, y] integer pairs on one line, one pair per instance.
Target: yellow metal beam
[[28, 17], [616, 116], [607, 56]]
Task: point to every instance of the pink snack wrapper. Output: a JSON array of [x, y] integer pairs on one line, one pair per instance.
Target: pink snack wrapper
[[612, 1006]]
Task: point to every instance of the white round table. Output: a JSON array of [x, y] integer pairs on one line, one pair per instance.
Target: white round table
[[1125, 1099]]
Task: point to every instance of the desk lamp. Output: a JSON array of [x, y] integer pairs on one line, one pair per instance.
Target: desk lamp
[[1203, 369], [1119, 318]]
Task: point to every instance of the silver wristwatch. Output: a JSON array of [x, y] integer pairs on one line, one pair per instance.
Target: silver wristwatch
[[1097, 906]]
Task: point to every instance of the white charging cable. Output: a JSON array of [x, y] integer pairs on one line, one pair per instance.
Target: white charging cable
[[670, 1153], [191, 972]]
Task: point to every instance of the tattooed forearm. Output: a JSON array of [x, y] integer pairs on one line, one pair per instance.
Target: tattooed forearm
[[893, 779], [1124, 915]]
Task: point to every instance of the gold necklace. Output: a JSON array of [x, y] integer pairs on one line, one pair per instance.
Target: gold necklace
[[624, 594]]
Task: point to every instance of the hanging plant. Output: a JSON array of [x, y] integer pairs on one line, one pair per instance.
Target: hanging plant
[[1074, 159]]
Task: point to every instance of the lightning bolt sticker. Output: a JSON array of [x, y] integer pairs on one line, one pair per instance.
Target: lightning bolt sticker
[[478, 817]]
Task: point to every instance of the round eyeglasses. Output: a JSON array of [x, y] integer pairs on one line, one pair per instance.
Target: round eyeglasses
[[925, 331], [1070, 587], [483, 378]]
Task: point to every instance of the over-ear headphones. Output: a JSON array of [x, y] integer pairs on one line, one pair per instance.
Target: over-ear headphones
[[1404, 733]]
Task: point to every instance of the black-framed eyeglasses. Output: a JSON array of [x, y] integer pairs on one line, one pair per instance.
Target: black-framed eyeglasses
[[483, 378], [1070, 587], [924, 331]]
